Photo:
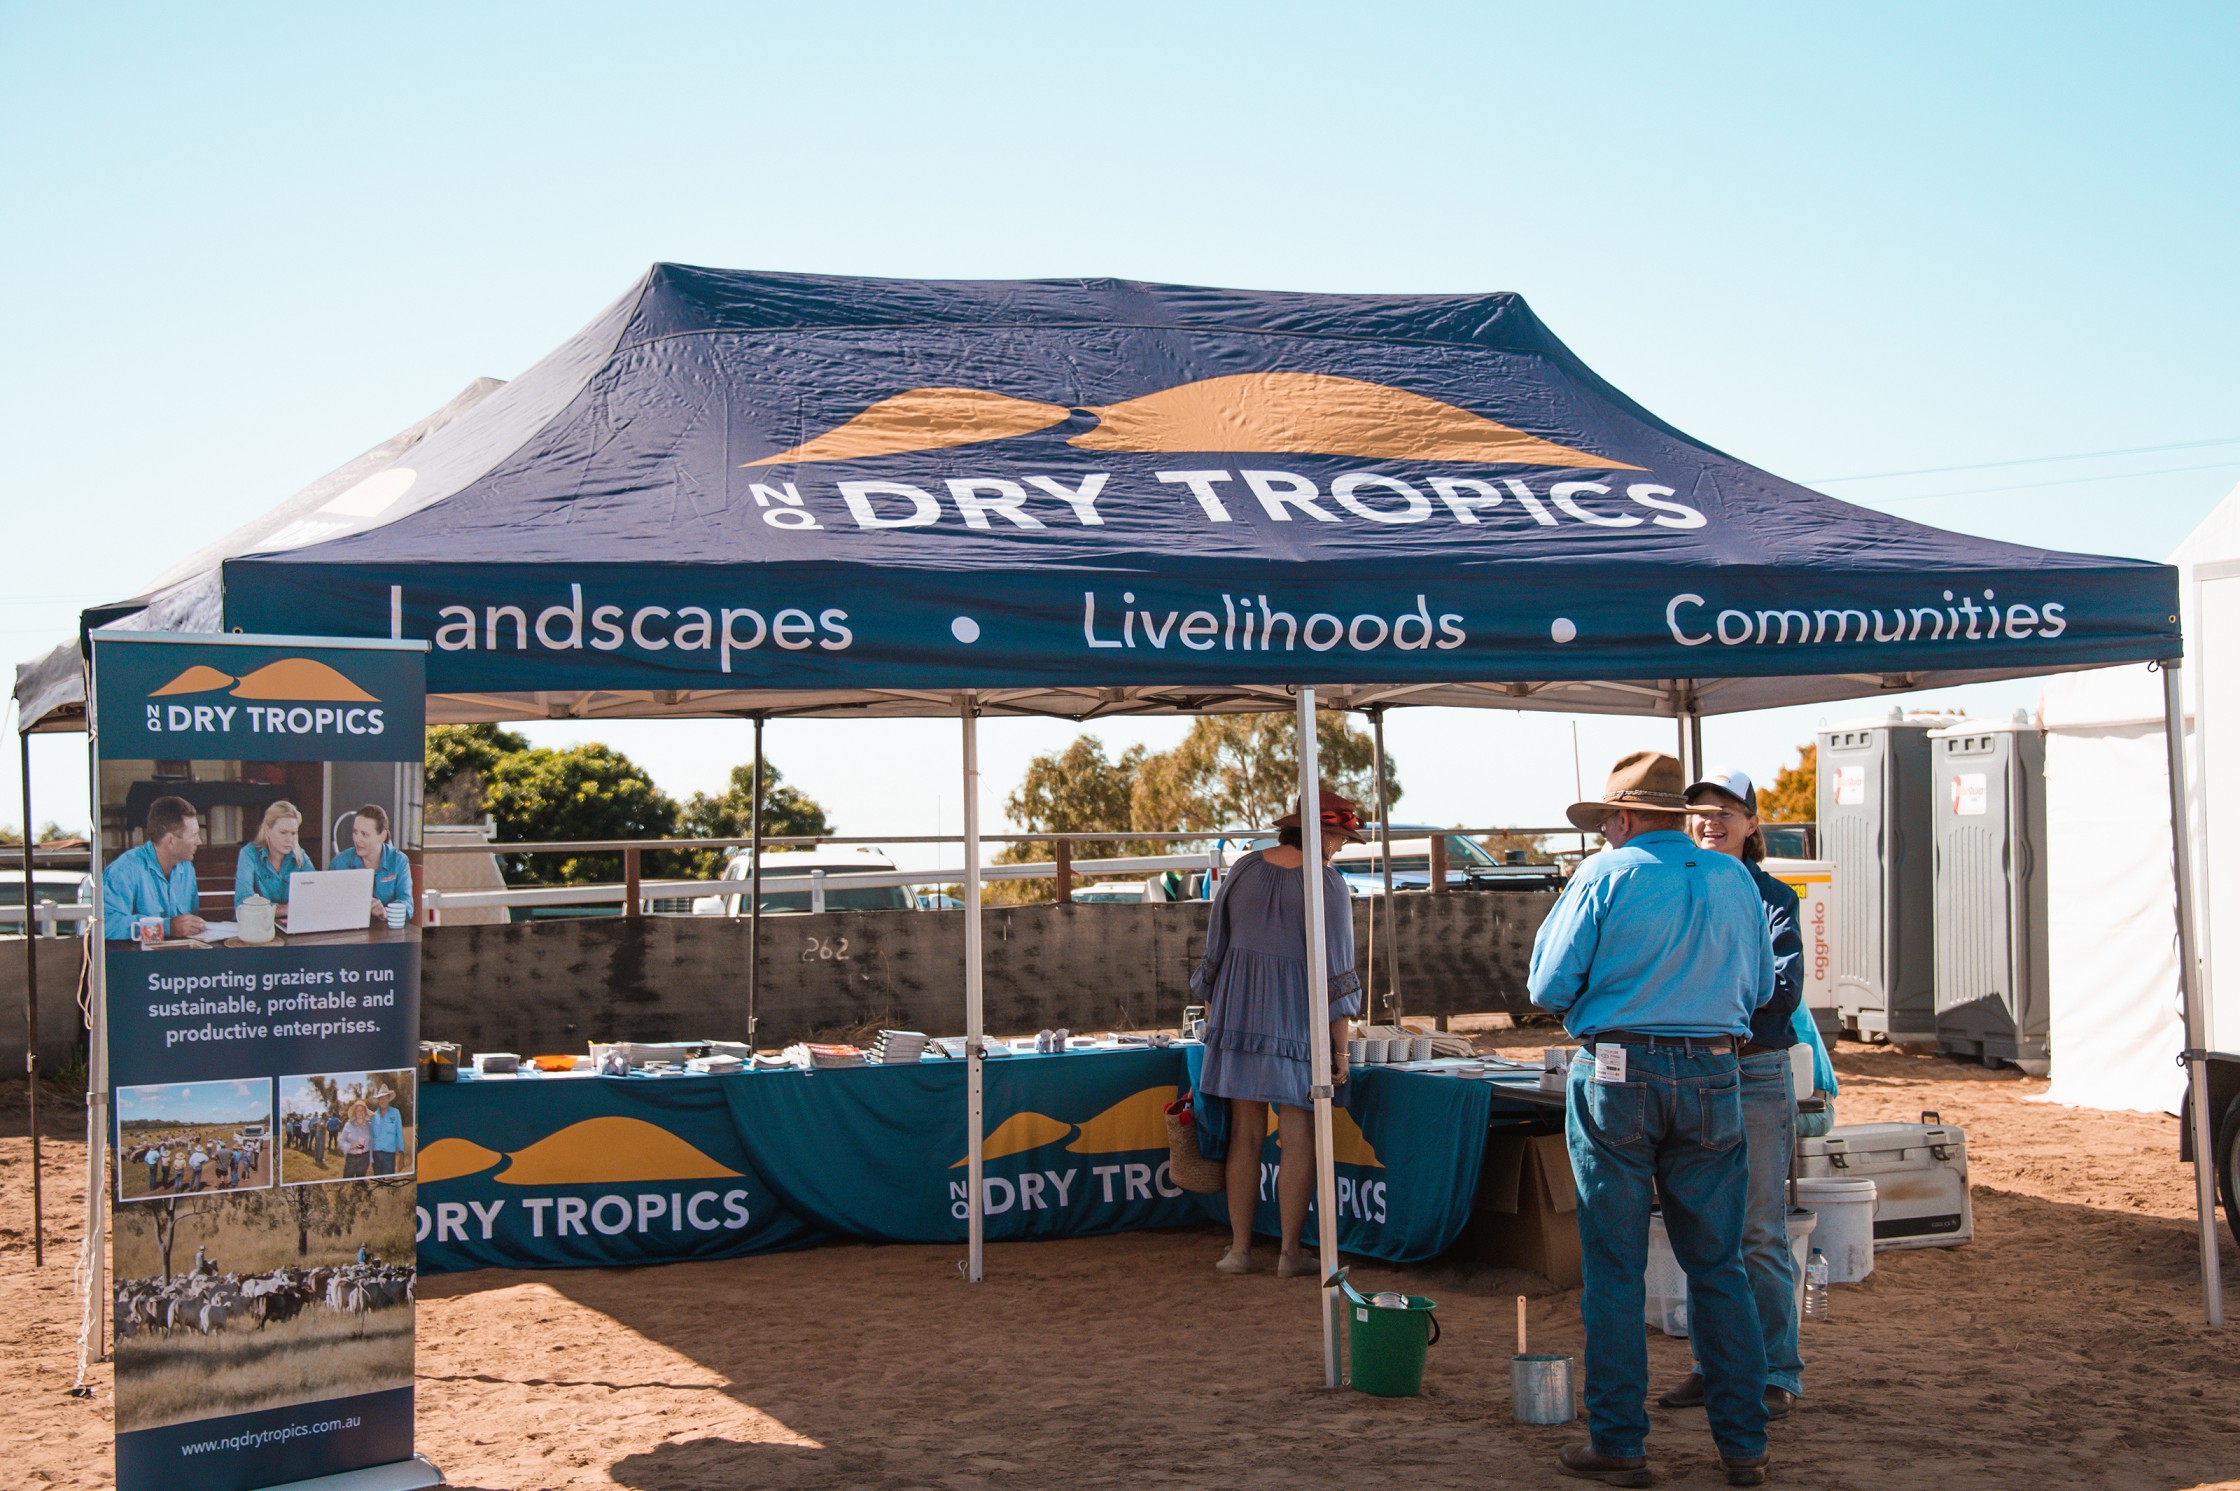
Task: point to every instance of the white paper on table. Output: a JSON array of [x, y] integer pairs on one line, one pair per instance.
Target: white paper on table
[[218, 931]]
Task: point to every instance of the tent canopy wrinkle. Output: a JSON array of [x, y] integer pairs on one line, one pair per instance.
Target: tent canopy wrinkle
[[742, 492]]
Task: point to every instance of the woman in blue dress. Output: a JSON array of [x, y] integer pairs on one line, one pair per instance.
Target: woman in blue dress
[[271, 857], [1259, 1035]]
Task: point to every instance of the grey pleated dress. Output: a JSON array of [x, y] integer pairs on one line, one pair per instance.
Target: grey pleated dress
[[1254, 983]]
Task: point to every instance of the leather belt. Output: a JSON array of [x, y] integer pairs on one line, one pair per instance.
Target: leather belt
[[1684, 1042], [1752, 1048]]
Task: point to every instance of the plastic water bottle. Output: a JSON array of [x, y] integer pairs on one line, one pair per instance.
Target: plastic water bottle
[[1816, 1287]]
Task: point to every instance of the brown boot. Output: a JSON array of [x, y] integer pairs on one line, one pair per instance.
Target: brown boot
[[1583, 1461], [1686, 1393], [1744, 1472]]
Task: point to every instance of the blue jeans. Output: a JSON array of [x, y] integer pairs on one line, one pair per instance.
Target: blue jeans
[[1769, 1125], [1671, 1132]]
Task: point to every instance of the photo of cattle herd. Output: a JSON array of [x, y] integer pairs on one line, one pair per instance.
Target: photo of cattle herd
[[234, 1302]]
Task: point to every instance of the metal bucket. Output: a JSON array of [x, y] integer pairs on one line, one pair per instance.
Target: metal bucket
[[1540, 1389]]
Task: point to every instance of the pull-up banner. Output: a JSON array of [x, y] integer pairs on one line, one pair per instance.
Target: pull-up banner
[[259, 809]]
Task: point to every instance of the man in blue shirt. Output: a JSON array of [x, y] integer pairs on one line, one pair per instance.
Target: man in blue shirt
[[388, 1132], [370, 846], [1656, 956], [156, 878]]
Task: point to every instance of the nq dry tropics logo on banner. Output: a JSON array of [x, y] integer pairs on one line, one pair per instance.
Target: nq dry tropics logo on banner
[[292, 696]]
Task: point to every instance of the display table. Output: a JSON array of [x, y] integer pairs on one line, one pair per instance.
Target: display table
[[578, 1170]]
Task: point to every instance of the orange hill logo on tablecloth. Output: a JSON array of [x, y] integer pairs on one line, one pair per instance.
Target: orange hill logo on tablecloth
[[1136, 1122], [597, 1151], [291, 678], [1259, 413]]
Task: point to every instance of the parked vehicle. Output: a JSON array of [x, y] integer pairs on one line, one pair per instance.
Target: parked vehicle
[[48, 888], [834, 864], [1470, 866], [1791, 840], [1113, 892]]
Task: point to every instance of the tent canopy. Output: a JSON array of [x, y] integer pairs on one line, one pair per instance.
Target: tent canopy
[[742, 492]]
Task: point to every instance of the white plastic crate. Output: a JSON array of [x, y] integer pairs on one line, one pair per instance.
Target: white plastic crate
[[1665, 1300]]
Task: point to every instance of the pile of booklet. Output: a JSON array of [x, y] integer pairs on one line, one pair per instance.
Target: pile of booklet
[[704, 1065], [898, 1047]]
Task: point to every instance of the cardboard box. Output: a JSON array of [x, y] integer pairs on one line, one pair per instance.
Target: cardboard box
[[1527, 1210]]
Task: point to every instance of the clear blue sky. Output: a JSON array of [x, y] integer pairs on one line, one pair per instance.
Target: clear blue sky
[[197, 1102], [246, 242]]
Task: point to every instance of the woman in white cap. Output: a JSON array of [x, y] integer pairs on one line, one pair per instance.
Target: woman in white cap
[[1724, 818], [1259, 1029]]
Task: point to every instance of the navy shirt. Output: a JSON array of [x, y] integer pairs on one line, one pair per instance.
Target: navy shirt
[[1772, 1024]]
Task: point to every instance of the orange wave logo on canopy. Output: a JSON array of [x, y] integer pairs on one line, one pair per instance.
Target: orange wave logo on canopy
[[291, 678], [1255, 413], [597, 1151]]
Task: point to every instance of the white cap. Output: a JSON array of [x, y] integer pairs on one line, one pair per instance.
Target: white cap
[[1736, 784]]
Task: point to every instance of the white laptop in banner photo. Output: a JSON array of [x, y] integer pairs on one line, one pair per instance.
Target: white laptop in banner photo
[[329, 900]]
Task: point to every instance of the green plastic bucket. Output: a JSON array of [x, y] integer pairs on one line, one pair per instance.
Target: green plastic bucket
[[1386, 1344]]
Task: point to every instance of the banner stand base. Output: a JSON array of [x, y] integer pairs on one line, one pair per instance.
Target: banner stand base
[[415, 1474]]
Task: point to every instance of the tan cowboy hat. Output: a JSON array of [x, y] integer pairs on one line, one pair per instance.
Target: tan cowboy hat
[[1649, 780]]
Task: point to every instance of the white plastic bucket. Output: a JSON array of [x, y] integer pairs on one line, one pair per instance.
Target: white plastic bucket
[[1846, 1233], [1665, 1295]]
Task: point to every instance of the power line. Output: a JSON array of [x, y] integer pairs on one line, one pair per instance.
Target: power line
[[2067, 481], [2084, 455]]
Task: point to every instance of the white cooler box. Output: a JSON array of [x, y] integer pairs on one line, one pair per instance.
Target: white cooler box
[[1920, 1175]]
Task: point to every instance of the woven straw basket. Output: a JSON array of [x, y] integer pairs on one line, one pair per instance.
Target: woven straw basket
[[1191, 1170]]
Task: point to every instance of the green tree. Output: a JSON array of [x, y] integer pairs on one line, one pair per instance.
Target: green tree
[[49, 833], [1229, 771], [1242, 770], [584, 792], [787, 812], [1794, 796], [1076, 790], [459, 761]]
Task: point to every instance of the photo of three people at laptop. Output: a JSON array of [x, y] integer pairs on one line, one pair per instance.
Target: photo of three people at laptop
[[149, 893]]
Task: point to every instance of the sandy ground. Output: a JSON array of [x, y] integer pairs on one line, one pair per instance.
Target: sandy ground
[[2062, 1349]]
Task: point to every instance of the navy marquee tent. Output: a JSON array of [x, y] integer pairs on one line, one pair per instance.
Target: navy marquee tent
[[764, 494], [794, 494]]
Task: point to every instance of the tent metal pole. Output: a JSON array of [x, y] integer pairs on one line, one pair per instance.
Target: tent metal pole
[[1318, 1033], [754, 891], [1384, 841], [974, 1029], [31, 1011], [1696, 764], [2189, 992], [95, 1315]]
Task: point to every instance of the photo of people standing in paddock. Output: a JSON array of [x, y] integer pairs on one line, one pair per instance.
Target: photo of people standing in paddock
[[192, 1138], [346, 1126]]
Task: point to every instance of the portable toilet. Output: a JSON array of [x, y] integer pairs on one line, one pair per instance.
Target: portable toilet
[[1876, 785], [1991, 977]]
